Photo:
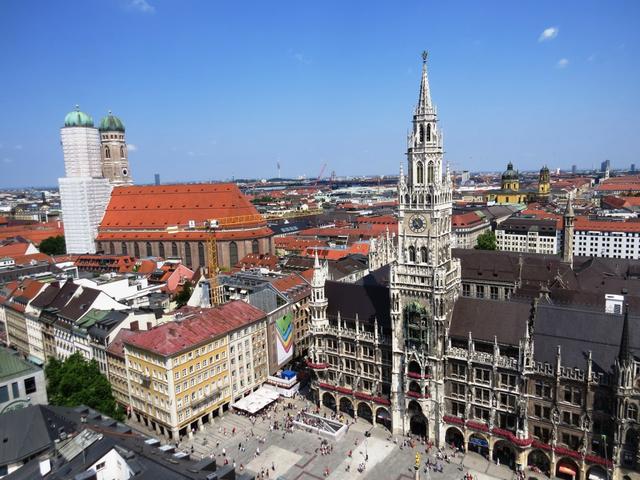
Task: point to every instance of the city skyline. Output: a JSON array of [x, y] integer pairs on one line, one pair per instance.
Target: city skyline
[[304, 85]]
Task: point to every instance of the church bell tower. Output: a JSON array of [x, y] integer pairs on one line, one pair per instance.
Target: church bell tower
[[425, 279]]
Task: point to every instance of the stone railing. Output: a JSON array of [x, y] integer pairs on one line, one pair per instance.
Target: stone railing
[[483, 357]]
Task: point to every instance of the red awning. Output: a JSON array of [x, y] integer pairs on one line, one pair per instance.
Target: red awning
[[567, 470]]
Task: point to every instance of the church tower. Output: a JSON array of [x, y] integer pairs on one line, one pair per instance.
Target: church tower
[[113, 149], [544, 184], [567, 237], [425, 279]]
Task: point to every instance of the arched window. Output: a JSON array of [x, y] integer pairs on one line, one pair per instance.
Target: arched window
[[255, 247], [136, 250], [107, 152], [419, 172], [149, 251], [124, 248], [407, 199], [187, 254], [412, 254], [161, 249], [201, 259], [421, 133], [632, 412], [428, 132], [430, 172], [112, 248], [233, 253], [174, 249], [423, 255], [428, 199], [121, 151]]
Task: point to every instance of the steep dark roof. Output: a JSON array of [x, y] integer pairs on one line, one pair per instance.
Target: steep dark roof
[[64, 295], [578, 331], [29, 431], [369, 300], [46, 296], [80, 305], [487, 319]]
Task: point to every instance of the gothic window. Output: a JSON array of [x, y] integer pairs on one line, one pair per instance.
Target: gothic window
[[632, 412], [421, 133], [187, 254], [107, 152], [412, 254], [121, 151], [174, 249], [201, 259], [420, 172], [255, 248], [124, 248], [428, 199], [112, 248], [233, 253], [161, 249], [149, 251], [407, 200], [136, 250], [430, 172], [423, 255], [428, 132]]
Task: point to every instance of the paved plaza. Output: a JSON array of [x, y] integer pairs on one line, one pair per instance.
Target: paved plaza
[[297, 455]]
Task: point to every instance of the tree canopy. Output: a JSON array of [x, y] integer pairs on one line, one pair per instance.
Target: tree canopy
[[76, 382], [53, 245], [182, 297], [486, 241]]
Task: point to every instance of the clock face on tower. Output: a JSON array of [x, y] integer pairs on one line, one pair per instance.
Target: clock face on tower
[[417, 224]]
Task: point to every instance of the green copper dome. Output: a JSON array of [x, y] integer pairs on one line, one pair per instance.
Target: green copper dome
[[510, 173], [111, 123], [78, 119]]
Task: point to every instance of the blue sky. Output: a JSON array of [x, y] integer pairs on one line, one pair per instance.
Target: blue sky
[[214, 90]]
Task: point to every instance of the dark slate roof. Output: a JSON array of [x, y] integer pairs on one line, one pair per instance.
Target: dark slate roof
[[487, 319], [80, 305], [369, 300], [64, 295], [46, 296], [578, 331], [29, 431]]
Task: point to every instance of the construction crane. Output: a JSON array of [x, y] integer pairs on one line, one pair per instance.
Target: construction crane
[[212, 271], [324, 166]]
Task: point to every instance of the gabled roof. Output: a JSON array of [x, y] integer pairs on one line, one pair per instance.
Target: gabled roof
[[79, 305], [46, 296], [116, 347]]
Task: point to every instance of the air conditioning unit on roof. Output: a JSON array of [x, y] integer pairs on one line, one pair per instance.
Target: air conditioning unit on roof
[[192, 224], [213, 223]]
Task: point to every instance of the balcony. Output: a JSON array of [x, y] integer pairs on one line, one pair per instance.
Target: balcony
[[317, 366], [413, 394], [419, 376]]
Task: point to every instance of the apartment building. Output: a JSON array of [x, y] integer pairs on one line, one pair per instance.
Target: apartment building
[[180, 373], [529, 235]]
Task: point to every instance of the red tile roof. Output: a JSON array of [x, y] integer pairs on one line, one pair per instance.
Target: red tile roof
[[254, 260], [105, 263], [159, 207], [465, 219], [185, 236], [584, 223], [116, 347], [199, 325], [34, 233], [32, 257], [18, 248]]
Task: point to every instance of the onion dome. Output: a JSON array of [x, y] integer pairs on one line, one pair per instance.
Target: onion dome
[[78, 119], [111, 123], [510, 173]]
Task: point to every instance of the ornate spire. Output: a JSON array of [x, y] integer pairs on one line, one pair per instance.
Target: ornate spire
[[424, 100], [624, 355], [569, 211]]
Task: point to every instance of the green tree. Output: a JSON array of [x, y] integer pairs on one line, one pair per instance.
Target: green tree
[[53, 245], [76, 382], [486, 241], [182, 297]]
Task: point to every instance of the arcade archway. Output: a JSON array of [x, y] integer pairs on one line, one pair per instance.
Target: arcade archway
[[504, 453], [454, 437], [383, 417], [364, 412], [346, 406], [597, 473], [478, 444], [539, 460], [329, 401], [567, 469]]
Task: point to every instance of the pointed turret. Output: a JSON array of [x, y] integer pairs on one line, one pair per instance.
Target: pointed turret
[[567, 241], [625, 355], [424, 100]]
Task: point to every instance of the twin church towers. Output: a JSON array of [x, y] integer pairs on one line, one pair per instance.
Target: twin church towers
[[95, 160]]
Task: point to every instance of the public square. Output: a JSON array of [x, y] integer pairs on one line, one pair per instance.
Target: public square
[[298, 455]]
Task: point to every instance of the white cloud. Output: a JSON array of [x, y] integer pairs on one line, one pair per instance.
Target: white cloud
[[18, 147], [141, 6], [562, 63], [591, 57], [302, 58], [548, 34], [7, 160], [132, 147]]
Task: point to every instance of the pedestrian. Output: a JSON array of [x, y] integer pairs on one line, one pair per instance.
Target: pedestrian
[[224, 452]]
